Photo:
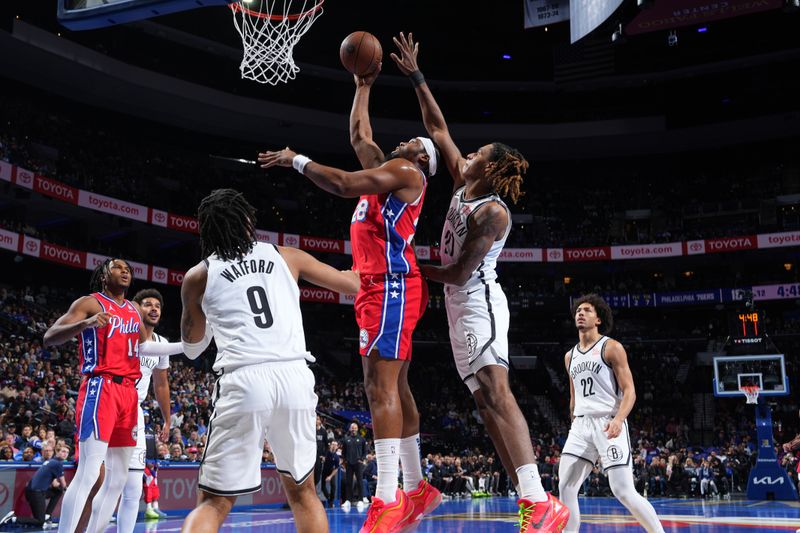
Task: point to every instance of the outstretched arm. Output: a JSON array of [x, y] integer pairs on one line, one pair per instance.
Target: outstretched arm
[[368, 152], [486, 225], [392, 176], [307, 267], [84, 313], [432, 115], [616, 356], [194, 333]]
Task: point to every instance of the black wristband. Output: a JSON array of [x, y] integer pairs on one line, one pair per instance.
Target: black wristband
[[417, 78]]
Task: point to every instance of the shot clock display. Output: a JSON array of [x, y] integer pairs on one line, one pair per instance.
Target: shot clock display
[[746, 327]]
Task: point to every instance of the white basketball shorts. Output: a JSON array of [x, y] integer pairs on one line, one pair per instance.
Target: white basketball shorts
[[587, 440], [478, 318], [268, 401]]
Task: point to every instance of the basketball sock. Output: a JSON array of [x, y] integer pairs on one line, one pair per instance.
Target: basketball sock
[[530, 484], [150, 505], [387, 455], [129, 503], [155, 506], [410, 461], [621, 482]]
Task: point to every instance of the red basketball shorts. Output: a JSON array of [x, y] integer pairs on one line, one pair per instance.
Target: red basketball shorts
[[388, 307], [107, 411]]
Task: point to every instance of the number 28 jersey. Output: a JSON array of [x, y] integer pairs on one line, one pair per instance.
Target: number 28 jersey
[[253, 306], [596, 390]]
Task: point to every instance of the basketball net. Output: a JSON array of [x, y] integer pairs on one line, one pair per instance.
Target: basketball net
[[270, 29], [751, 392]]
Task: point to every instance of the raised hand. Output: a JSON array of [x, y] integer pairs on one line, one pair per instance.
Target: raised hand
[[368, 79], [281, 158], [407, 60]]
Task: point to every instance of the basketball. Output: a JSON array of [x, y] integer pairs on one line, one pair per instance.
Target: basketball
[[361, 53]]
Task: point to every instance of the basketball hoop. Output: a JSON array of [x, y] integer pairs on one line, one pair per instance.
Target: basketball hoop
[[270, 29], [751, 392]]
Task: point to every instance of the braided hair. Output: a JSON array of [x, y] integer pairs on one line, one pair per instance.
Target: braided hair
[[506, 169], [227, 225], [97, 283]]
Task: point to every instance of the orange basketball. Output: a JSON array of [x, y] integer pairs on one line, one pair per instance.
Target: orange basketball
[[361, 53]]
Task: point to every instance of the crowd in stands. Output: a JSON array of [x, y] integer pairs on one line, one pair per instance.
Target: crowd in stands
[[720, 193], [39, 387]]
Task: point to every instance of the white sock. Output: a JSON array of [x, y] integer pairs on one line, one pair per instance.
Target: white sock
[[387, 454], [150, 505], [530, 484], [410, 461], [155, 506]]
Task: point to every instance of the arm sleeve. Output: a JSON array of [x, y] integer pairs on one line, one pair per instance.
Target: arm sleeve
[[194, 349], [160, 349]]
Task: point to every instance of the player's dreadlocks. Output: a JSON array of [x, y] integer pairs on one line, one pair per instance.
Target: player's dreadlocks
[[97, 283], [227, 225], [506, 171]]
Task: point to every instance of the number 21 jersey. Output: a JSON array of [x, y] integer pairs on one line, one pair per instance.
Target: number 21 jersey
[[253, 306], [596, 390]]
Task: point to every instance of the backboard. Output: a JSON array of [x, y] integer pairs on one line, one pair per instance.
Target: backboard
[[90, 14], [768, 372]]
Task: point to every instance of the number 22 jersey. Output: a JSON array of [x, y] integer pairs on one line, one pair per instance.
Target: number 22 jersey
[[253, 306], [596, 390]]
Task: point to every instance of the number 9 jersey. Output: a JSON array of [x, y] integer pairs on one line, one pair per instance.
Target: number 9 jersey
[[253, 306]]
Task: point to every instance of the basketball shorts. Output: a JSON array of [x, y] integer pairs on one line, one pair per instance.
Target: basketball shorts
[[388, 307], [151, 492], [478, 319], [107, 411], [587, 440], [269, 401], [140, 452]]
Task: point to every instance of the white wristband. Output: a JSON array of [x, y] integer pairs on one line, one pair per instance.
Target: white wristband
[[299, 162]]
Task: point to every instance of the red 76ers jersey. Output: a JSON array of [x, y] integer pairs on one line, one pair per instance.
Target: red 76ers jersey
[[114, 348], [381, 232]]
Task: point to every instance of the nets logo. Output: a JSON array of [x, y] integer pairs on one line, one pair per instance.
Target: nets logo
[[472, 343], [614, 454]]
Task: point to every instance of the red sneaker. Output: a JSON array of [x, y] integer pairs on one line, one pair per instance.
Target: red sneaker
[[383, 518], [425, 499], [551, 516]]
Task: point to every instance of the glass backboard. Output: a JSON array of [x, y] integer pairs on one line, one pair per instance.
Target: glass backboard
[[768, 372], [90, 14]]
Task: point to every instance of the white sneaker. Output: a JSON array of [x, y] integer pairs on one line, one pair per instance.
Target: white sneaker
[[346, 506], [360, 506], [365, 500]]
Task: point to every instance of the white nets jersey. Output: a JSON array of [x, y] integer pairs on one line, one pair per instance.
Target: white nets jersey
[[148, 364], [253, 306], [596, 390], [455, 232]]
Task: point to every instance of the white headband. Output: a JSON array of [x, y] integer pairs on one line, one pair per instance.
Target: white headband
[[431, 151]]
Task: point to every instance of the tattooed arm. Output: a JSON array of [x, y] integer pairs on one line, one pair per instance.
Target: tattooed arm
[[194, 334]]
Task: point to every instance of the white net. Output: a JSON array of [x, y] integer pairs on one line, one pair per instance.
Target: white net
[[751, 393], [270, 30]]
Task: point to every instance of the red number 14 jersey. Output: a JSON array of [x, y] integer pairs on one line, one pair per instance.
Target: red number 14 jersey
[[114, 348]]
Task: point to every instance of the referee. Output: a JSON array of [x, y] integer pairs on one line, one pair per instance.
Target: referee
[[47, 483]]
